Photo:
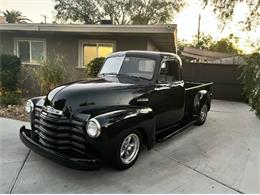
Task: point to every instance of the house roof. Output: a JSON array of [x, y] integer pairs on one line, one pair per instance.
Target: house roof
[[163, 36], [202, 54]]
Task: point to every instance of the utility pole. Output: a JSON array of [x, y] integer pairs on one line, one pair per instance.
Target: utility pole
[[45, 17], [199, 29]]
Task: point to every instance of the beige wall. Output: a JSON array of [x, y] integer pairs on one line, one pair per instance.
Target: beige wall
[[67, 44], [151, 46], [6, 43]]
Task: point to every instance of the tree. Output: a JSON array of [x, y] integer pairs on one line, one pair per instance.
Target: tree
[[119, 11], [226, 45], [225, 11], [116, 10], [250, 78], [154, 11], [14, 16], [204, 42], [84, 11]]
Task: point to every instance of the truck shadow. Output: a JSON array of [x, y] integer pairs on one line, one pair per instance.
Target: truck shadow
[[152, 165]]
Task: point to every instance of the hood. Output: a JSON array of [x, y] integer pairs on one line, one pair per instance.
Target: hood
[[96, 96]]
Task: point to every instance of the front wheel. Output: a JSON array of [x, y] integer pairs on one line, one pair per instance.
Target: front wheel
[[128, 150], [202, 115]]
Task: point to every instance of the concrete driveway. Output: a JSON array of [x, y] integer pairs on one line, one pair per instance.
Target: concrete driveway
[[222, 156]]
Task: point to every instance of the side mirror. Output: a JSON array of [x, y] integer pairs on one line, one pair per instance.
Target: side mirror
[[164, 69], [163, 65]]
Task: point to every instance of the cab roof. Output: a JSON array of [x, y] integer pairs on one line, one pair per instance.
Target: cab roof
[[144, 52]]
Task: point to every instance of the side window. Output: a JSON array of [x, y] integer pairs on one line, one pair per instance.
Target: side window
[[93, 50], [31, 51], [90, 49], [169, 72]]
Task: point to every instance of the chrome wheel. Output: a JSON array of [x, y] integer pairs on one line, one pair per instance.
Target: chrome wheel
[[129, 148], [203, 113]]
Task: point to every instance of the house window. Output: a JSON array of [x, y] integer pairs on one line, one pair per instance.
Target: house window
[[30, 51], [91, 50]]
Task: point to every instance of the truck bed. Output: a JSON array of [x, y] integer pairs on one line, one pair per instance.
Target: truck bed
[[191, 89], [195, 86]]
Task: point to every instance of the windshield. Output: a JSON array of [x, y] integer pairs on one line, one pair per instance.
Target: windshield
[[131, 66]]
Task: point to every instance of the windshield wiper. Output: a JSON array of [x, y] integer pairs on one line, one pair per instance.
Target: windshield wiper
[[138, 77], [133, 76], [108, 73]]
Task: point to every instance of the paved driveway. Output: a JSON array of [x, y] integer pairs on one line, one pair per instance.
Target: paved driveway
[[222, 156]]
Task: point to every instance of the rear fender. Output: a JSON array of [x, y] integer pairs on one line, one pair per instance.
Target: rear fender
[[115, 123], [202, 97]]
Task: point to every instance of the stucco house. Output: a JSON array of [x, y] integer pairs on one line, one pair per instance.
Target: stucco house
[[79, 44]]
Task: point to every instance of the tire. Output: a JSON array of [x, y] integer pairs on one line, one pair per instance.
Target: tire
[[202, 115], [128, 150]]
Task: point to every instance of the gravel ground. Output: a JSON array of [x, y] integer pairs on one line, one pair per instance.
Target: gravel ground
[[14, 112]]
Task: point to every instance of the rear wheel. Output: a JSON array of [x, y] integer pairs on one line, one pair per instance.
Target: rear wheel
[[128, 150], [202, 115]]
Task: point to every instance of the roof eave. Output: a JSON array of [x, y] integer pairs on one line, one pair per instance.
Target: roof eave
[[89, 28], [164, 36]]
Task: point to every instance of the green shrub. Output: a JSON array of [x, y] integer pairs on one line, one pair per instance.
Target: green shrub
[[28, 83], [50, 74], [10, 98], [10, 68], [94, 66], [250, 78]]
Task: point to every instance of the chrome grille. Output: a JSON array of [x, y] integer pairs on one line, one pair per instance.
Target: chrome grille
[[59, 133]]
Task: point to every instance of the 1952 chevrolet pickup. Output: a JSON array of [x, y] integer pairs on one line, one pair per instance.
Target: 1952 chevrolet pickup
[[138, 98]]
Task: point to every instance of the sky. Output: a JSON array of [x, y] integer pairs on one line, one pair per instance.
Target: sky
[[187, 19]]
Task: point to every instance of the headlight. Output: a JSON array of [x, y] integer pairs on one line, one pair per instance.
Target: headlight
[[93, 128], [29, 106]]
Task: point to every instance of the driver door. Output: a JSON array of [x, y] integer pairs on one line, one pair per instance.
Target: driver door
[[167, 98]]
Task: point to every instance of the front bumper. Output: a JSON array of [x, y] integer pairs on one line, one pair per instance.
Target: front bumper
[[76, 163]]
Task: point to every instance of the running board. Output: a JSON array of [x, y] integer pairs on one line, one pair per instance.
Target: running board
[[169, 132]]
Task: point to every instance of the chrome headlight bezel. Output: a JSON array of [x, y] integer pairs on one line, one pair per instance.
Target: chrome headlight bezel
[[93, 128], [29, 107]]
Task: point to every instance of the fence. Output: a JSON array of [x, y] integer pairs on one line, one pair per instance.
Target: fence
[[225, 77]]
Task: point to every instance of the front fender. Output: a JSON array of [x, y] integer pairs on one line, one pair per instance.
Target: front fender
[[38, 100], [114, 123]]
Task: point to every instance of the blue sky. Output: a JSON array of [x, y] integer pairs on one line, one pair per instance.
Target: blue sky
[[187, 20]]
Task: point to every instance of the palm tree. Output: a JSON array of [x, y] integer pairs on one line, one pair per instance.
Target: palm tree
[[14, 16]]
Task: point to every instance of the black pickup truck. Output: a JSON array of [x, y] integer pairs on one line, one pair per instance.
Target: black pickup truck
[[139, 98]]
